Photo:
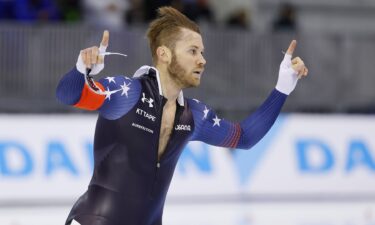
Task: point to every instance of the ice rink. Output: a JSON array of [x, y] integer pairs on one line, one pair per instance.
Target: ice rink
[[315, 166]]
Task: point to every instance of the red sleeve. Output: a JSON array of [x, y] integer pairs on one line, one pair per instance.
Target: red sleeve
[[90, 100]]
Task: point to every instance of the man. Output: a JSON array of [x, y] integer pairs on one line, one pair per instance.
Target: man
[[144, 122]]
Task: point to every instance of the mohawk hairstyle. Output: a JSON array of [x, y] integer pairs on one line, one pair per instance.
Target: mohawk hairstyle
[[166, 29]]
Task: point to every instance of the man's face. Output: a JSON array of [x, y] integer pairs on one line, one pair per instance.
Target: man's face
[[187, 64]]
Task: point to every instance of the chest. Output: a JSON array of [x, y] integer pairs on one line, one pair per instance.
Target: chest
[[152, 127], [168, 117], [166, 126]]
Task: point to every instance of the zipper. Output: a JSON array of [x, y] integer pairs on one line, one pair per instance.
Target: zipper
[[178, 112], [162, 104], [155, 180], [153, 189], [158, 164]]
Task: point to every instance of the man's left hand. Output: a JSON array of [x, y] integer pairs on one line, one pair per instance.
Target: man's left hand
[[290, 71]]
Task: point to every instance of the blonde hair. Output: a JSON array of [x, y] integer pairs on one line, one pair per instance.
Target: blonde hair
[[166, 29]]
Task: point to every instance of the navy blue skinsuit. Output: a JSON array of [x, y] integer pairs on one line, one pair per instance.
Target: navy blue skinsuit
[[129, 183]]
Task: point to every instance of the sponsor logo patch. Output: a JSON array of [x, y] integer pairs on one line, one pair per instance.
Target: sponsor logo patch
[[143, 128], [145, 114], [183, 127], [149, 101]]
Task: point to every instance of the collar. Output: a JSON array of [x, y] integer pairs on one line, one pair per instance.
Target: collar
[[146, 69]]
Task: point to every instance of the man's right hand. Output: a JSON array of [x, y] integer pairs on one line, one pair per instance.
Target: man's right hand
[[92, 58]]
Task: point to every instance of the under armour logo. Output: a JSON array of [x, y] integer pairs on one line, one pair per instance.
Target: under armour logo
[[144, 99]]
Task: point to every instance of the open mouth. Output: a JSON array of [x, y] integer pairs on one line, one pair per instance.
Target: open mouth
[[198, 73]]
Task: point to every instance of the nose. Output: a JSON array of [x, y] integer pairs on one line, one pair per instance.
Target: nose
[[201, 61]]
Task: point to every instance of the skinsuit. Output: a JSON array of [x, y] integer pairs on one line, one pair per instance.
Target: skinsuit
[[130, 183]]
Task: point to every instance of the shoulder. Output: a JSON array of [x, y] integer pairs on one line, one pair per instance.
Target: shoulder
[[120, 84], [198, 108], [194, 104], [121, 94], [118, 80]]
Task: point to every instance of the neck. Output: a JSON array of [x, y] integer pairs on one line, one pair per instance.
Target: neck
[[169, 87]]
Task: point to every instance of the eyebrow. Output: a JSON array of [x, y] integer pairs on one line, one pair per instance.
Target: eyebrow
[[194, 46]]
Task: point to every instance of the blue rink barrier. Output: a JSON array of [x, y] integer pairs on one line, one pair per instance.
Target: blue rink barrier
[[302, 157]]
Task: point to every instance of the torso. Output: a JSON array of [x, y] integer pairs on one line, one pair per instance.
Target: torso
[[125, 152], [166, 128]]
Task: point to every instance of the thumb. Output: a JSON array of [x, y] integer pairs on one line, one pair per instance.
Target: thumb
[[104, 42]]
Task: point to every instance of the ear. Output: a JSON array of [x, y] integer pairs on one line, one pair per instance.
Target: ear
[[164, 54]]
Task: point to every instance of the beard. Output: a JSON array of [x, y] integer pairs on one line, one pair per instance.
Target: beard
[[180, 75]]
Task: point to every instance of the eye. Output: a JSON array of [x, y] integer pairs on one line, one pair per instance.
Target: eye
[[193, 51]]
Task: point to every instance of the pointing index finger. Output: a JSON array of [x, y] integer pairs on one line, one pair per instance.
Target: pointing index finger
[[105, 39], [292, 47]]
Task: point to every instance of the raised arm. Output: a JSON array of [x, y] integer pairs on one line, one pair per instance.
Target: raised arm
[[73, 89], [112, 96], [212, 129]]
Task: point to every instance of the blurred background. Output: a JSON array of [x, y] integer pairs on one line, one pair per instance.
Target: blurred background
[[315, 167]]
